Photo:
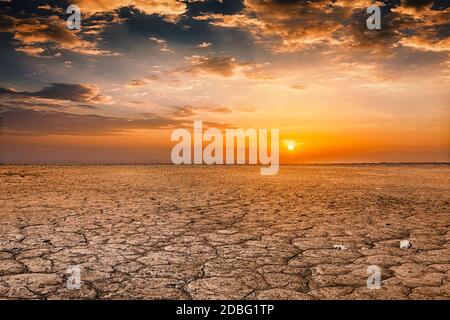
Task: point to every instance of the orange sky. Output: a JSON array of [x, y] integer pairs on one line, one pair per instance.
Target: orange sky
[[115, 90]]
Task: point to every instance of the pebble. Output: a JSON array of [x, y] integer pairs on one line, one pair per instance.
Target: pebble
[[405, 244]]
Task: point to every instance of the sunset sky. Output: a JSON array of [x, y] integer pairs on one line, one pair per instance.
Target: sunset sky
[[114, 91]]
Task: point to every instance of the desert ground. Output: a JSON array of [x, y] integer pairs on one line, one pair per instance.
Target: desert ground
[[224, 232]]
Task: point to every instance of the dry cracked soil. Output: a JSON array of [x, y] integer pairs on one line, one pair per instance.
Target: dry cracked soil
[[218, 232]]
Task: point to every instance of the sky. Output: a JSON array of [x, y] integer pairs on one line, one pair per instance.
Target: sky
[[113, 91]]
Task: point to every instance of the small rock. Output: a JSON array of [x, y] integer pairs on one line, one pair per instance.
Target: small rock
[[405, 244], [339, 247]]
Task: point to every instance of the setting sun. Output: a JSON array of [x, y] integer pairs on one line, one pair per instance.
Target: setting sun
[[290, 145]]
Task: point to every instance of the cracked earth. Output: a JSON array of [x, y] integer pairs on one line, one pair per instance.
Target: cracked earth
[[180, 232]]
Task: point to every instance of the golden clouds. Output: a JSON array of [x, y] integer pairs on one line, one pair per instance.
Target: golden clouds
[[291, 26], [33, 33], [281, 26], [426, 44], [170, 9], [285, 26], [30, 50], [223, 66]]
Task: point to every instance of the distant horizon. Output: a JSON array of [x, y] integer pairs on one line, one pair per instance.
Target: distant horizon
[[220, 165]]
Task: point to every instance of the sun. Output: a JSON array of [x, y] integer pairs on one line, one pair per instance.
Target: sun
[[290, 145]]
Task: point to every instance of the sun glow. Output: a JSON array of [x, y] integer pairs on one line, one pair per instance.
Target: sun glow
[[290, 144]]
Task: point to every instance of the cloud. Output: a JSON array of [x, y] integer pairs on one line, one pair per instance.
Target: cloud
[[63, 91], [422, 27], [360, 40], [162, 44], [426, 43], [30, 50], [223, 110], [137, 82], [300, 87], [170, 9], [26, 103], [28, 121], [189, 111], [223, 66], [284, 26], [34, 34], [204, 45], [48, 122], [142, 81], [414, 6], [183, 111], [6, 91], [72, 92], [296, 25]]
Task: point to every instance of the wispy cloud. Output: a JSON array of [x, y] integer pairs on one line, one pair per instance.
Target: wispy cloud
[[162, 44]]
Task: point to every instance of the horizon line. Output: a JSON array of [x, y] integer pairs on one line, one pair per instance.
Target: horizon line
[[209, 165]]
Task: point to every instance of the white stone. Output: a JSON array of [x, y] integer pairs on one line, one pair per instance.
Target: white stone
[[405, 244], [339, 247]]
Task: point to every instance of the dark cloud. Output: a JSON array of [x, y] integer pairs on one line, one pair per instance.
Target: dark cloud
[[35, 6], [24, 121], [62, 91], [215, 6], [47, 122], [4, 91], [71, 92], [418, 5], [357, 37]]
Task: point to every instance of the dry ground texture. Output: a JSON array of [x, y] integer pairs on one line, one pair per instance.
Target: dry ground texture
[[181, 232]]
